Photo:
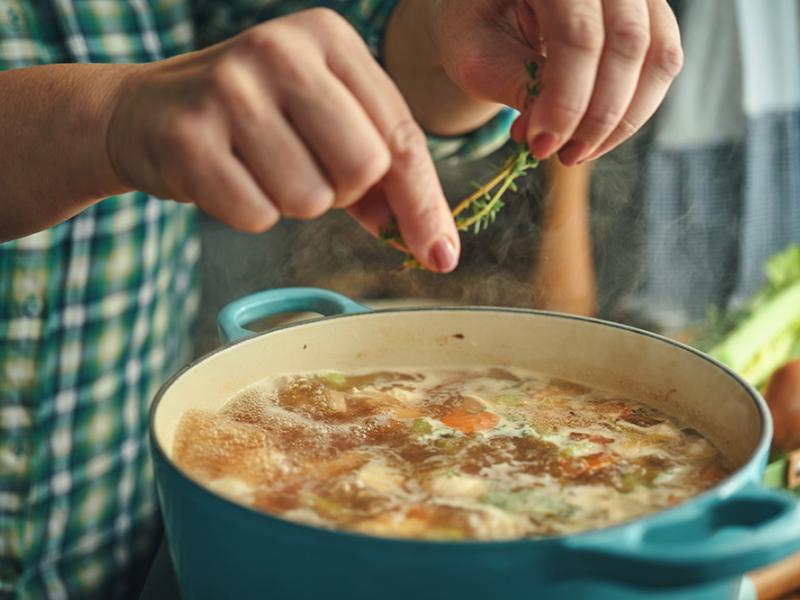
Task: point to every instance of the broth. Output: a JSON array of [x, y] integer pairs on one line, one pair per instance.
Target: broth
[[445, 454]]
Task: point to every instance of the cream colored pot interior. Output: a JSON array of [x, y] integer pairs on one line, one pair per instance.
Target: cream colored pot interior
[[672, 378]]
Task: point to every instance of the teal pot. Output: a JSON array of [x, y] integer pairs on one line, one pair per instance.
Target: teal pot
[[699, 549]]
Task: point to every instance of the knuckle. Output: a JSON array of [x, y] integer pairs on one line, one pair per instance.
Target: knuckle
[[667, 60], [328, 19], [603, 120], [629, 39], [408, 145], [423, 212], [626, 128], [222, 77], [229, 87], [584, 31], [259, 222], [310, 204], [566, 108], [178, 140], [268, 42], [361, 176]]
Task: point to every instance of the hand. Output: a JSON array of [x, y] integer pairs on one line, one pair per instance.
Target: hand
[[292, 118], [604, 65]]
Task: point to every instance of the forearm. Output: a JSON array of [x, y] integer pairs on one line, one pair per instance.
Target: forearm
[[412, 59], [53, 159]]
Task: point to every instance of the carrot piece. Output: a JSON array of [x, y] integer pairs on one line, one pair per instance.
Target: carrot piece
[[598, 461], [471, 422], [585, 465], [626, 412]]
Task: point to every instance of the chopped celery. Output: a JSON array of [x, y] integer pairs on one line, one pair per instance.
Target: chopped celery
[[758, 334], [629, 482], [336, 380], [421, 426], [509, 400], [765, 333]]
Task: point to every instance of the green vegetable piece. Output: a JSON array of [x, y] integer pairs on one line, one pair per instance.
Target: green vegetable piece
[[764, 341], [336, 380], [628, 483], [421, 427], [509, 400]]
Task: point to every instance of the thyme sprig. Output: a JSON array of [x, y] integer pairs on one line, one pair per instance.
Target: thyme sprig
[[480, 209]]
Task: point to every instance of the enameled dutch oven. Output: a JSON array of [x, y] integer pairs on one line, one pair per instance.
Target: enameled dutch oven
[[699, 549]]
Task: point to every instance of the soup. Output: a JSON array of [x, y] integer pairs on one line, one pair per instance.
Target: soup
[[444, 454]]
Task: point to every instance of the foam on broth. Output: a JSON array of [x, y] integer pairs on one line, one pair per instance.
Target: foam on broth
[[443, 454]]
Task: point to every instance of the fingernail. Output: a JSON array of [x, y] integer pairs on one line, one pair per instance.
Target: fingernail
[[443, 255], [572, 152], [543, 145]]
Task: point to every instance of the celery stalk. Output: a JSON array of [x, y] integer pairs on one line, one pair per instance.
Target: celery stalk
[[765, 340]]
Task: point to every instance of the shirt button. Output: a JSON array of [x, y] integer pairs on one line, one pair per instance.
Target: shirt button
[[31, 306]]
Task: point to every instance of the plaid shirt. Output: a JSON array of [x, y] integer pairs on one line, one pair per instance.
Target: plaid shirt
[[95, 313]]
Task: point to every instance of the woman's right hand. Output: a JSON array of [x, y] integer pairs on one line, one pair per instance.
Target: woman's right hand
[[292, 117]]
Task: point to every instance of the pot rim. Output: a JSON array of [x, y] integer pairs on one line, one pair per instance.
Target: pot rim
[[720, 489]]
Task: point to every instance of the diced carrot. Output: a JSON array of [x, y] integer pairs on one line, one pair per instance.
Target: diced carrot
[[600, 439], [584, 465], [626, 412], [598, 461], [419, 512], [471, 422]]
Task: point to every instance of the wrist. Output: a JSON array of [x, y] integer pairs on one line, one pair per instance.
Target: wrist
[[414, 58], [120, 88]]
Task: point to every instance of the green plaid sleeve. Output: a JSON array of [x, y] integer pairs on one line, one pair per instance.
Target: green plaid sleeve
[[95, 313], [216, 21]]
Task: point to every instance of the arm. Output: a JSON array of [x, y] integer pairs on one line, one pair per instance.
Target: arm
[[290, 118], [53, 160], [563, 276]]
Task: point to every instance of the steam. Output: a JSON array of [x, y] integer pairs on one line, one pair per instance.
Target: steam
[[496, 265]]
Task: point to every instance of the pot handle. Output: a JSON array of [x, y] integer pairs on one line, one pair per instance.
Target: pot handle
[[235, 316], [720, 539]]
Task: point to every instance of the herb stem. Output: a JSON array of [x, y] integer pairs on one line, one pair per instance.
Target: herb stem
[[485, 188], [485, 202], [470, 221]]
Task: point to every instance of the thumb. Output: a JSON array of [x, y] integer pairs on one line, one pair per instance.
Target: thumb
[[497, 70]]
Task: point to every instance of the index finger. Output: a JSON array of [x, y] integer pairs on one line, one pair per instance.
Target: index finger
[[573, 35], [411, 186]]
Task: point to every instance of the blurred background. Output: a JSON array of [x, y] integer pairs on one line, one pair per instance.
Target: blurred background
[[668, 232]]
